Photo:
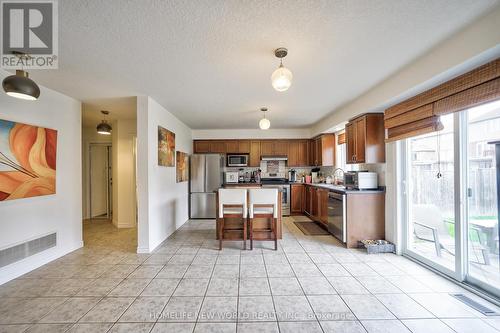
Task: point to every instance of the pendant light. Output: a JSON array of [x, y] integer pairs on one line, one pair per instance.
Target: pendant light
[[264, 123], [21, 86], [104, 128], [281, 78]]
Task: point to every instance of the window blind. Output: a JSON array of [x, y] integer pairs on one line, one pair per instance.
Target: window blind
[[420, 114], [341, 138]]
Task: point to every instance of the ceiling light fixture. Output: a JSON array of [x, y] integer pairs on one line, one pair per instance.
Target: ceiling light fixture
[[264, 123], [21, 86], [104, 128], [281, 78]]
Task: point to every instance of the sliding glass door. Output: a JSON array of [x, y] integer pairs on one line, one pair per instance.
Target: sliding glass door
[[483, 128], [450, 204], [430, 199]]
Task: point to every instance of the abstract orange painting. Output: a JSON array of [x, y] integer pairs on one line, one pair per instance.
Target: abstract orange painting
[[27, 160], [182, 167], [166, 147]]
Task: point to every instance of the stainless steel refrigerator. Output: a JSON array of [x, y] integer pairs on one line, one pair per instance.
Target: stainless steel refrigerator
[[206, 178]]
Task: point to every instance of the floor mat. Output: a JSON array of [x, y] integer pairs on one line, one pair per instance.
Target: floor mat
[[301, 218], [311, 228]]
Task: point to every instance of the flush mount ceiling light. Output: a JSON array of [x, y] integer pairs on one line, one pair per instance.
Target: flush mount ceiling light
[[281, 78], [104, 128], [264, 123], [21, 86]]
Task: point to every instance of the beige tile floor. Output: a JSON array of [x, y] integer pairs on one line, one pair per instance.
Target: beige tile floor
[[310, 284]]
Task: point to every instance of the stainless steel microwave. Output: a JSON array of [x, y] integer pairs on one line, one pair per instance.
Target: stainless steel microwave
[[361, 180], [240, 160]]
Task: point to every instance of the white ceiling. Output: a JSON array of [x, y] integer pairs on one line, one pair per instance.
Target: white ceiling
[[119, 108], [209, 62]]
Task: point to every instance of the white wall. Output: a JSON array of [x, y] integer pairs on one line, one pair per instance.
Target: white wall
[[124, 191], [277, 133], [480, 40], [25, 219], [163, 203]]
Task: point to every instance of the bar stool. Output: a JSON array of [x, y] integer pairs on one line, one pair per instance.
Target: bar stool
[[233, 204], [263, 203]]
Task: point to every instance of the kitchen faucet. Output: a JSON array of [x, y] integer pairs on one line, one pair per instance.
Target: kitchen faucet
[[335, 178]]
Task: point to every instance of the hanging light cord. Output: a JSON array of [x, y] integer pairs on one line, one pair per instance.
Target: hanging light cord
[[438, 144]]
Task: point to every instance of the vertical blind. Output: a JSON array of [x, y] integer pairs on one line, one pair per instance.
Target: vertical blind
[[420, 114]]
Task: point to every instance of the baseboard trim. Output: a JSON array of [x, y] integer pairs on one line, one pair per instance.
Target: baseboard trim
[[143, 250]]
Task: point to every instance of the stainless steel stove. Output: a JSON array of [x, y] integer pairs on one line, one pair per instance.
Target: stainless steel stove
[[284, 187]]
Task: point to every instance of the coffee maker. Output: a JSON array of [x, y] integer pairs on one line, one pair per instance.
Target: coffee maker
[[292, 176]]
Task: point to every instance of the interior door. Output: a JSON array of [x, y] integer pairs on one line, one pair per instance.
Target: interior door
[[99, 181]]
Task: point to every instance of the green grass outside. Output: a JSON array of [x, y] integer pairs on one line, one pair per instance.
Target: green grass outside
[[450, 225]]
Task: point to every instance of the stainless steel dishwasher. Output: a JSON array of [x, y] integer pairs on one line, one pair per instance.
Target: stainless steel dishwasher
[[337, 215]]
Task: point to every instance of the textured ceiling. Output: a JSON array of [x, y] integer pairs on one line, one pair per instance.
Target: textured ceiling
[[209, 62], [118, 108]]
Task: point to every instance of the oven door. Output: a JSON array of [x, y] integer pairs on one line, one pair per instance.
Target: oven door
[[237, 160], [285, 197]]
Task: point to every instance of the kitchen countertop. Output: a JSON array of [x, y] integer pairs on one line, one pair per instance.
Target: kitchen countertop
[[341, 189], [241, 184]]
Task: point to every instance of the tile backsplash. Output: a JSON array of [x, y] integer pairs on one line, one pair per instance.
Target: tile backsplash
[[379, 168]]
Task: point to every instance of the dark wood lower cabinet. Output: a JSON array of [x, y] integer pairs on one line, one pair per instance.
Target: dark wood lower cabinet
[[365, 212], [365, 217], [323, 206], [307, 198], [297, 199]]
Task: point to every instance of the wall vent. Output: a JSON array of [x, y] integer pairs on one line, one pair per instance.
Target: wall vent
[[27, 249]]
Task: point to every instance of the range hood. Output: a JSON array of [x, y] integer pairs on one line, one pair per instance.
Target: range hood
[[274, 158]]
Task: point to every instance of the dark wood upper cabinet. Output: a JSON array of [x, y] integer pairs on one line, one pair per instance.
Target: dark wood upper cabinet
[[280, 147], [319, 151], [231, 146], [293, 154], [322, 150], [255, 153], [266, 147], [243, 146], [365, 139], [201, 146], [218, 147], [298, 153], [274, 147], [350, 133]]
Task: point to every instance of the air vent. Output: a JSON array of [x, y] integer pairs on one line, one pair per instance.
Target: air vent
[[27, 249], [475, 305]]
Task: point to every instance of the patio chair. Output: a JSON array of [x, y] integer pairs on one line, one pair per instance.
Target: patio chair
[[430, 226]]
